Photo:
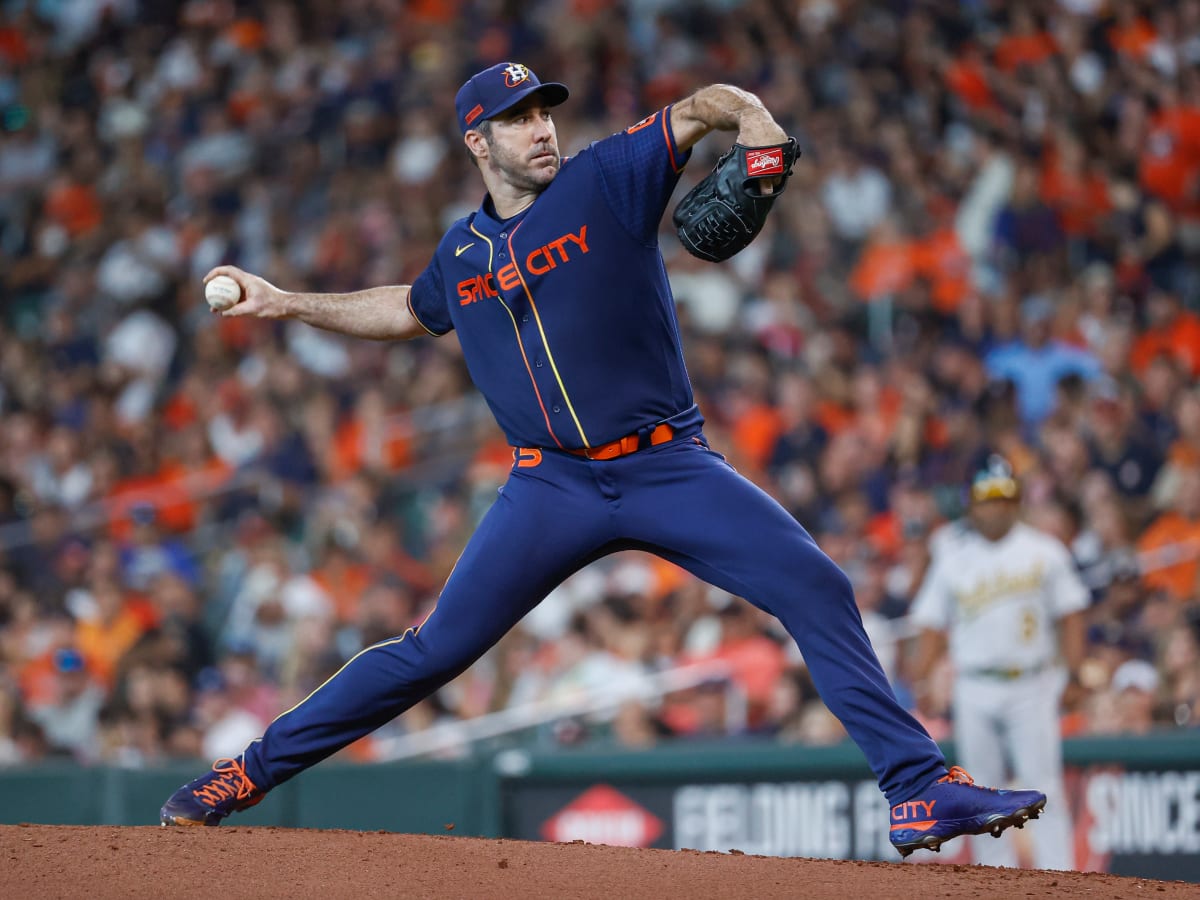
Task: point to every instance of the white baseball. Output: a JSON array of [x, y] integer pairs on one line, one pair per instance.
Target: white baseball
[[222, 292]]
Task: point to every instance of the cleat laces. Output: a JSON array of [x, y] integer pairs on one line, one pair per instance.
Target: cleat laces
[[231, 782], [956, 775]]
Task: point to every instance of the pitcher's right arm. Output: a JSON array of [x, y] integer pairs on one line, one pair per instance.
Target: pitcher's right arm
[[377, 313]]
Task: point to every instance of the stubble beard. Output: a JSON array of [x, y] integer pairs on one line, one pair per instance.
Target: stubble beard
[[518, 173]]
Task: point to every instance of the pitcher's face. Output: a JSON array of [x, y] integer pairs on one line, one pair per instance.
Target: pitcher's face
[[523, 147]]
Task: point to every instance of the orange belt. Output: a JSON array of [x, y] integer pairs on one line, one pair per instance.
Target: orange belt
[[626, 445]]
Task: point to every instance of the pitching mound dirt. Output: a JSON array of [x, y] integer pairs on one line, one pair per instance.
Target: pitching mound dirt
[[40, 861]]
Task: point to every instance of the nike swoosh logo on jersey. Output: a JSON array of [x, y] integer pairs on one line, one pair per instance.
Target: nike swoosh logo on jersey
[[459, 251]]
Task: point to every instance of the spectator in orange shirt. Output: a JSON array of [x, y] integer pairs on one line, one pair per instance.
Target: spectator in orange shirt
[[370, 438], [1132, 34], [756, 662], [441, 12], [1170, 547], [887, 264], [1169, 164], [74, 205], [1170, 330], [150, 483], [177, 490], [1076, 191], [1185, 450], [1025, 45], [105, 631], [755, 424], [13, 45], [967, 76], [342, 576], [941, 260]]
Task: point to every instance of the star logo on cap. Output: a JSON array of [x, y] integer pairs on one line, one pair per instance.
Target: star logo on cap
[[514, 74]]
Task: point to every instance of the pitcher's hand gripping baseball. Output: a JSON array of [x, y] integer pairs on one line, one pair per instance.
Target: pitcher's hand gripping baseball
[[258, 296], [725, 212]]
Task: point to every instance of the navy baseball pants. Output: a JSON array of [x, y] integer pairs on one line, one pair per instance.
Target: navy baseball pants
[[679, 500]]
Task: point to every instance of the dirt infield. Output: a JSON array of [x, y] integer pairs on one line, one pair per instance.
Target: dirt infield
[[42, 861]]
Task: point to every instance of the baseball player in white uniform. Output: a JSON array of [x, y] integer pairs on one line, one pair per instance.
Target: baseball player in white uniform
[[1010, 601]]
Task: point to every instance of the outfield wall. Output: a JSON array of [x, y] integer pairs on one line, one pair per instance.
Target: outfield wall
[[1135, 802]]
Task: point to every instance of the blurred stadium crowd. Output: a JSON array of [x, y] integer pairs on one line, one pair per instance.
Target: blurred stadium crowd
[[991, 242]]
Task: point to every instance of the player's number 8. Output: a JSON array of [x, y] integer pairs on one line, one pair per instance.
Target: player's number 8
[[1029, 626]]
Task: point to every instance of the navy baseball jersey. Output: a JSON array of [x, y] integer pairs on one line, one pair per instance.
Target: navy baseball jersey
[[564, 312]]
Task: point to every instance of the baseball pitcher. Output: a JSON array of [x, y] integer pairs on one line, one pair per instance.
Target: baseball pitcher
[[558, 294]]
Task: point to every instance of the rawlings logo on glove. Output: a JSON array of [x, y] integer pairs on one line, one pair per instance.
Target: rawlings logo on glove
[[726, 211], [764, 162]]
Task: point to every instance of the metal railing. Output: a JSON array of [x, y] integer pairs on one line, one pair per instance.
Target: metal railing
[[457, 737]]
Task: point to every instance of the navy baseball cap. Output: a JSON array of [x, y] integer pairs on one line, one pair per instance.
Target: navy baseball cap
[[494, 90]]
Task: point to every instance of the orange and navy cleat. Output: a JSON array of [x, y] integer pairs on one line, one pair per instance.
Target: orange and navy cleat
[[954, 805], [211, 797]]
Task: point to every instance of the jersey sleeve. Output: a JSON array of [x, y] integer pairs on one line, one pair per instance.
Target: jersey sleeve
[[1068, 594], [933, 607], [427, 301], [639, 168]]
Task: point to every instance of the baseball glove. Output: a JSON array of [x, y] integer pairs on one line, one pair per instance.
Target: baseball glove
[[725, 211]]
